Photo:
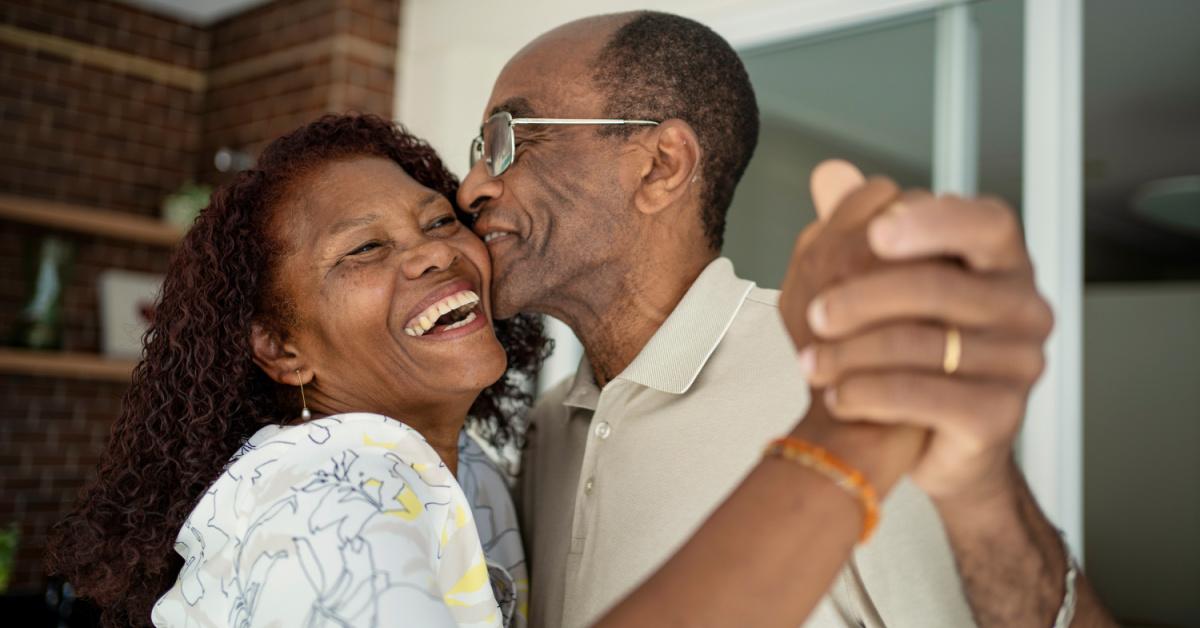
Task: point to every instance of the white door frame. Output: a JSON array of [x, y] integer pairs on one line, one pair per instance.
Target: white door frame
[[956, 102], [1052, 440], [1051, 443]]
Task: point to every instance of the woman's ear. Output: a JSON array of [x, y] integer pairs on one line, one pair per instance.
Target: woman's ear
[[277, 358], [671, 171]]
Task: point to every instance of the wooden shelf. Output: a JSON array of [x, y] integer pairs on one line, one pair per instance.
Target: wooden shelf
[[88, 220], [63, 364]]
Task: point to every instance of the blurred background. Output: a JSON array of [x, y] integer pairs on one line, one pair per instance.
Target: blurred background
[[118, 118]]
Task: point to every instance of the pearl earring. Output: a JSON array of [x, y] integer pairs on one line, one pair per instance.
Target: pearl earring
[[305, 415]]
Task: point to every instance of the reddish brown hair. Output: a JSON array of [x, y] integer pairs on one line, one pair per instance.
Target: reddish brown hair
[[197, 395]]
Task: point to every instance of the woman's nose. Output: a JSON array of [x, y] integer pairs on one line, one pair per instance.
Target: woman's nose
[[428, 257]]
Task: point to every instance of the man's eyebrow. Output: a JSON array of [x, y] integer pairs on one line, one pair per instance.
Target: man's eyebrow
[[517, 106]]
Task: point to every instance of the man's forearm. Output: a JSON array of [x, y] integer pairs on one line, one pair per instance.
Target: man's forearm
[[1012, 561]]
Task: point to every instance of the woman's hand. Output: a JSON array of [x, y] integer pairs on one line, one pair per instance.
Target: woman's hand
[[828, 252]]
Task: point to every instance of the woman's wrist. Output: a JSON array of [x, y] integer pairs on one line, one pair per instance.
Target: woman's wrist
[[843, 475], [883, 454]]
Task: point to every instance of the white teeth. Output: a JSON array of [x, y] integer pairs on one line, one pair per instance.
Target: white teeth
[[493, 235], [425, 321], [470, 317]]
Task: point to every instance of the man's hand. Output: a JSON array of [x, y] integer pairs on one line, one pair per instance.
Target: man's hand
[[923, 314], [955, 266]]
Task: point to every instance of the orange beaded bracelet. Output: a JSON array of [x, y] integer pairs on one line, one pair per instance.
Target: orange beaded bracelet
[[834, 468]]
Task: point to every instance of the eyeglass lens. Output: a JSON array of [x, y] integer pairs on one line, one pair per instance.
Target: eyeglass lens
[[498, 137], [476, 150]]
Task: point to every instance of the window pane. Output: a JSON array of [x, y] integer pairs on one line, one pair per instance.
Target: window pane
[[865, 95], [1142, 308]]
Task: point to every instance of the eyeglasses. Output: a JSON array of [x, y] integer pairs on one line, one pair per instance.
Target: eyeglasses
[[496, 145]]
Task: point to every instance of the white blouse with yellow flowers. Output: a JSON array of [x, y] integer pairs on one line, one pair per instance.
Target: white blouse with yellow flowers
[[347, 520]]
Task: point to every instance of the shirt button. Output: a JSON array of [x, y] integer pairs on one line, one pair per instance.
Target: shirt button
[[603, 429], [587, 486]]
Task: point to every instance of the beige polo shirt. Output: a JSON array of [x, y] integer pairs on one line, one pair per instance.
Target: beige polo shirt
[[616, 479]]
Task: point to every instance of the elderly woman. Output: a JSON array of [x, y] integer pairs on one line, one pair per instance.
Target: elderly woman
[[291, 450]]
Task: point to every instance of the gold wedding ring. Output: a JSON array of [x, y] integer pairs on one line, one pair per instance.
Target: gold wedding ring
[[953, 354]]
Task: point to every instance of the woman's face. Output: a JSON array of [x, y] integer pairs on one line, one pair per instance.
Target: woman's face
[[390, 292]]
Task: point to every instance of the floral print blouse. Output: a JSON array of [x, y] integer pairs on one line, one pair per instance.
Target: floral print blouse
[[349, 520]]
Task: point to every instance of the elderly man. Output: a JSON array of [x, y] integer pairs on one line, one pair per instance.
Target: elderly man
[[608, 158]]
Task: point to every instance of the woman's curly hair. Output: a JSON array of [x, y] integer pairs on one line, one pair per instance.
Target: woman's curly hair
[[197, 394]]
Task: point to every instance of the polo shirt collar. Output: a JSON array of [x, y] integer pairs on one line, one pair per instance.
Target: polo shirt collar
[[672, 359], [584, 392]]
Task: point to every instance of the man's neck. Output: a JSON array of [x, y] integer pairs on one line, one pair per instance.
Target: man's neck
[[615, 321]]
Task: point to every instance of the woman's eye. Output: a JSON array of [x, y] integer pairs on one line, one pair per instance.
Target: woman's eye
[[366, 248], [443, 221]]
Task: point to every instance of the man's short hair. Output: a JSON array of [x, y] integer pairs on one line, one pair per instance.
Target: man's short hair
[[660, 66]]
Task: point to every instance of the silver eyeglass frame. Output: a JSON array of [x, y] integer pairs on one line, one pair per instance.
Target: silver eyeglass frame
[[477, 144]]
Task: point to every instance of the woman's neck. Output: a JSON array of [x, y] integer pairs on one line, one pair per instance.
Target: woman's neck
[[440, 426], [441, 433], [440, 423]]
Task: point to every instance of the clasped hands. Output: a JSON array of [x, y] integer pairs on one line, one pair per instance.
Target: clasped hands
[[875, 290]]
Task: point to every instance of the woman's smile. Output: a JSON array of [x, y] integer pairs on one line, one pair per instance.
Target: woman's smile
[[450, 311]]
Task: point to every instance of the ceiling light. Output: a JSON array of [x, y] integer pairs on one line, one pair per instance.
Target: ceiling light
[[1172, 203]]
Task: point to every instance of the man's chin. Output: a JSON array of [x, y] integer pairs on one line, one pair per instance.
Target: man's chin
[[509, 295], [502, 310], [504, 305]]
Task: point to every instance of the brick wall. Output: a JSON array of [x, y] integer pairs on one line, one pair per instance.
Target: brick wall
[[109, 106], [282, 64], [82, 132]]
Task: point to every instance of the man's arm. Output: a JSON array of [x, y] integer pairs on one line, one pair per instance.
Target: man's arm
[[1013, 562]]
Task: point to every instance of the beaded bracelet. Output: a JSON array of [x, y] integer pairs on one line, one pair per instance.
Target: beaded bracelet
[[834, 468]]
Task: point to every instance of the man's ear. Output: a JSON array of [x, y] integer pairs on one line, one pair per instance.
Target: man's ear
[[671, 171], [276, 357]]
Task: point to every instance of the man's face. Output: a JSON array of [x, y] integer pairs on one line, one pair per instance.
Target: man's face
[[558, 214]]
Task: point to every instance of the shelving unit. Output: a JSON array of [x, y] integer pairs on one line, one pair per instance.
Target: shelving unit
[[64, 364], [86, 220], [81, 219]]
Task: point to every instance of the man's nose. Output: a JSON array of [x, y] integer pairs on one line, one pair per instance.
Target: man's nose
[[478, 188]]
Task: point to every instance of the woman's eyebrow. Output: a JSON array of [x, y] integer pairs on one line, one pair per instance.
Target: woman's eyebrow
[[350, 223], [432, 198], [345, 225]]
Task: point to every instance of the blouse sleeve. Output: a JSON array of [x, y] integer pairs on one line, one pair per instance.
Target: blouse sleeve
[[357, 533]]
